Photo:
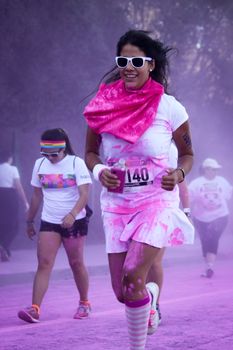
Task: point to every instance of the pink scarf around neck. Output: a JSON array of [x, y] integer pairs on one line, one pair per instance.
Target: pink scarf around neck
[[124, 114]]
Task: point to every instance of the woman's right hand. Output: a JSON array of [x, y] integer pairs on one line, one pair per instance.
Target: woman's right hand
[[109, 179], [31, 232]]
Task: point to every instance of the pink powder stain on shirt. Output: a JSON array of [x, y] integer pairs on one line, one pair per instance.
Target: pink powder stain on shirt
[[140, 144], [168, 127]]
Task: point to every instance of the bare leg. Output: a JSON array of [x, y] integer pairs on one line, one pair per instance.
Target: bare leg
[[74, 249], [48, 245], [119, 261], [156, 271], [138, 261], [116, 263]]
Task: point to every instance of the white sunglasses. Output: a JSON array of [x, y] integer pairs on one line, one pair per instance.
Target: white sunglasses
[[137, 62]]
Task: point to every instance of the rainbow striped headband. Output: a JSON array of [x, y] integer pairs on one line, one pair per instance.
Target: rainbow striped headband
[[52, 144]]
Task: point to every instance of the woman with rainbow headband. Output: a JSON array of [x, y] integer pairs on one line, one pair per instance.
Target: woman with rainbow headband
[[61, 180], [135, 120]]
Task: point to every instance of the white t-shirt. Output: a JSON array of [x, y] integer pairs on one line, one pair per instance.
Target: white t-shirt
[[173, 156], [209, 198], [152, 149], [8, 173], [59, 183]]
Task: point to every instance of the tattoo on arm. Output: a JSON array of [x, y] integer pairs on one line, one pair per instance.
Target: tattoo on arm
[[187, 140]]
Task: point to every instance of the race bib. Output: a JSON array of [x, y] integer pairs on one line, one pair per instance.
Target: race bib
[[139, 176]]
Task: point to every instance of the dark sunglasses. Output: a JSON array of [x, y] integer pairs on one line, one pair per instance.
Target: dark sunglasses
[[52, 154], [137, 62]]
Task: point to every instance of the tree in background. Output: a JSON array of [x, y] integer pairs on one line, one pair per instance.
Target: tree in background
[[202, 32]]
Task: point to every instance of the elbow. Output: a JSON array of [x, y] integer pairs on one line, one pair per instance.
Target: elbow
[[87, 159]]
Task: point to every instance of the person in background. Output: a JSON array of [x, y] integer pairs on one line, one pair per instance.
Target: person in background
[[61, 180], [10, 189], [135, 121], [156, 273], [209, 195]]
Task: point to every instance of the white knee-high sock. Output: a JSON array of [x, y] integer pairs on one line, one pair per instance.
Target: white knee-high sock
[[137, 314]]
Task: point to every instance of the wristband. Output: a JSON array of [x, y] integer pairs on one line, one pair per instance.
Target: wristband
[[72, 215], [97, 170], [30, 222], [183, 174]]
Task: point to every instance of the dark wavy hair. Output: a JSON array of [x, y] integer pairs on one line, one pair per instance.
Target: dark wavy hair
[[152, 48], [58, 135]]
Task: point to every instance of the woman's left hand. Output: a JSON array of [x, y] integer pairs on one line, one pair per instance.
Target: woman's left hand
[[170, 180], [68, 221]]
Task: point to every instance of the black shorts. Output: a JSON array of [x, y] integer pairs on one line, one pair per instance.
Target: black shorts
[[79, 228]]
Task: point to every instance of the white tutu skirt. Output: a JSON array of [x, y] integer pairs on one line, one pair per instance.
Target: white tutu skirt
[[158, 227]]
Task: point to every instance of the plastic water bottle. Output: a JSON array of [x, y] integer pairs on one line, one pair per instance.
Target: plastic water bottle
[[119, 170]]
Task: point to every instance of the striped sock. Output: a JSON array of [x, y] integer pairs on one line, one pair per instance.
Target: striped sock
[[137, 315]]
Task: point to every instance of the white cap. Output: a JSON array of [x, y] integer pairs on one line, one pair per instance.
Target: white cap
[[211, 163]]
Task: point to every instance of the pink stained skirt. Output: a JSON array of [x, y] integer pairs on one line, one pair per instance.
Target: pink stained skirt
[[158, 227]]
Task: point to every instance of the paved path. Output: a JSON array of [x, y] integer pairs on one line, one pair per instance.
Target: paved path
[[197, 313]]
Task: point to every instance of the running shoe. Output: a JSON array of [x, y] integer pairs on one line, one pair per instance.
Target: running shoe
[[83, 310], [29, 314], [208, 273], [159, 312], [154, 315]]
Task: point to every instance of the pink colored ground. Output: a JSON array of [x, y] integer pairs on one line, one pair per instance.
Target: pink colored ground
[[197, 313]]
